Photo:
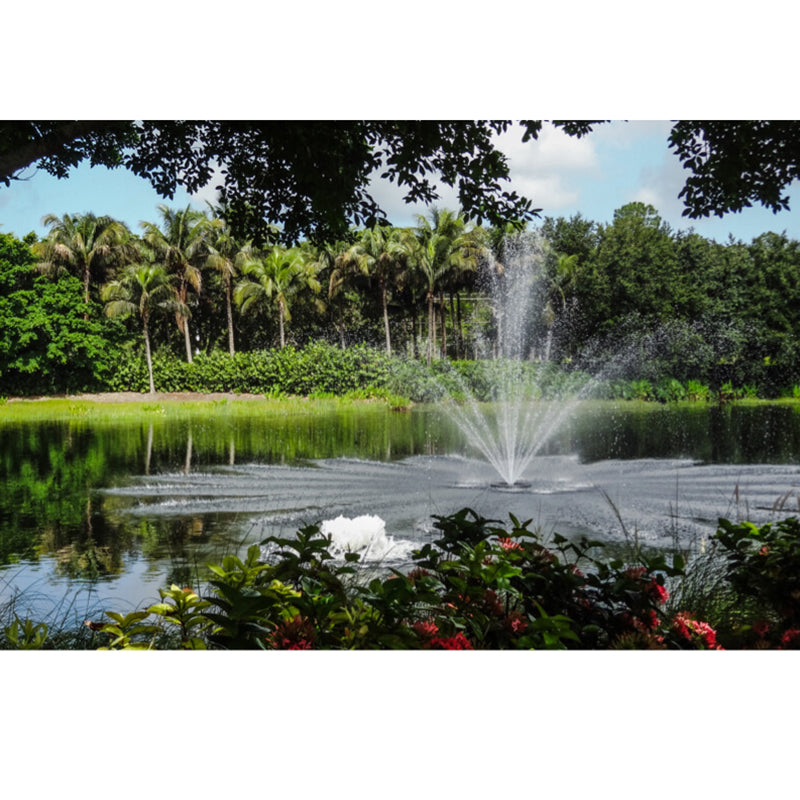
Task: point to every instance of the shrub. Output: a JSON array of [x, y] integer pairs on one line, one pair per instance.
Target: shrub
[[763, 565], [696, 391], [478, 586], [669, 390]]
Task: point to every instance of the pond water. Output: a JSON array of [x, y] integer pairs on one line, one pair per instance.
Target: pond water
[[101, 516]]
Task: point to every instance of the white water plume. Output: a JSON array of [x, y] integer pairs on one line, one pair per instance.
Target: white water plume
[[365, 535], [511, 432]]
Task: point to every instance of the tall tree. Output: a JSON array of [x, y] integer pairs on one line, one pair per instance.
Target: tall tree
[[274, 279], [637, 261], [226, 256], [440, 243], [50, 339], [181, 245], [142, 289], [82, 245], [378, 255]]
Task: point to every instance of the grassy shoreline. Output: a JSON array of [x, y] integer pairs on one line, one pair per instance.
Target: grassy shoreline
[[129, 406], [172, 405]]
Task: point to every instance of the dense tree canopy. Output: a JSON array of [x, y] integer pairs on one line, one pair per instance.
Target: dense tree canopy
[[734, 164], [693, 308], [312, 178]]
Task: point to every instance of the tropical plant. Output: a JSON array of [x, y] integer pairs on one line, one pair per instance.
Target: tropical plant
[[274, 279], [181, 246], [142, 289], [227, 255], [82, 245], [379, 254], [440, 244]]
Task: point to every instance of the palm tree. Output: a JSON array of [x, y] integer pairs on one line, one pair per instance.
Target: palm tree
[[380, 253], [181, 245], [275, 278], [141, 289], [81, 245], [324, 262], [441, 244], [227, 255]]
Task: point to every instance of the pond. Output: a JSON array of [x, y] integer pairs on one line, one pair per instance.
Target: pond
[[100, 516]]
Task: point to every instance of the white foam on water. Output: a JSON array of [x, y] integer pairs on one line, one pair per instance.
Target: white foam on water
[[365, 535]]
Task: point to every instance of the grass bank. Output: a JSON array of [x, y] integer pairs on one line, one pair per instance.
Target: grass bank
[[129, 406]]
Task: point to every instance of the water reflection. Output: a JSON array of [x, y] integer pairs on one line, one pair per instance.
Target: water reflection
[[129, 508]]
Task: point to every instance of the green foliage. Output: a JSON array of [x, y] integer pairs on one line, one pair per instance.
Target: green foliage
[[26, 634], [670, 390], [248, 604], [477, 586], [182, 607], [129, 631], [696, 391], [50, 339], [764, 563]]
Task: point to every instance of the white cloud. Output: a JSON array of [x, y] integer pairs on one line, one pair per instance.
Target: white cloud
[[547, 170]]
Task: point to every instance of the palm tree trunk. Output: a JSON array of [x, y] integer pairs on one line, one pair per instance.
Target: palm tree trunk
[[453, 324], [280, 324], [386, 319], [187, 339], [86, 287], [183, 323], [148, 356], [230, 313], [431, 328], [460, 328], [443, 317], [419, 333]]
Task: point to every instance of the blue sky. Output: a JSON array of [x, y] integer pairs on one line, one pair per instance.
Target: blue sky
[[618, 163]]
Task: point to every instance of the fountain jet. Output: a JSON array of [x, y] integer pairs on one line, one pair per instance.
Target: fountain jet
[[527, 408]]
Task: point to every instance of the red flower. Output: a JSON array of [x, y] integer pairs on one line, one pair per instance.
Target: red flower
[[516, 623], [294, 634], [507, 543], [417, 573], [791, 639], [693, 629], [425, 629], [457, 642], [647, 621], [658, 592], [299, 644]]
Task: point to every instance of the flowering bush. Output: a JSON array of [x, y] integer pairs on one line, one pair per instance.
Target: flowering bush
[[479, 585], [762, 566], [698, 634]]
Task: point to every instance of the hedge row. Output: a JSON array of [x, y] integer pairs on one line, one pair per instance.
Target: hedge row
[[322, 369]]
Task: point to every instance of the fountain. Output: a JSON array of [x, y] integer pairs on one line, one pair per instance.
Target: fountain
[[526, 411]]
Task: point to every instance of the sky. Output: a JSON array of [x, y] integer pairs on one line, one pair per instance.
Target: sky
[[618, 163]]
